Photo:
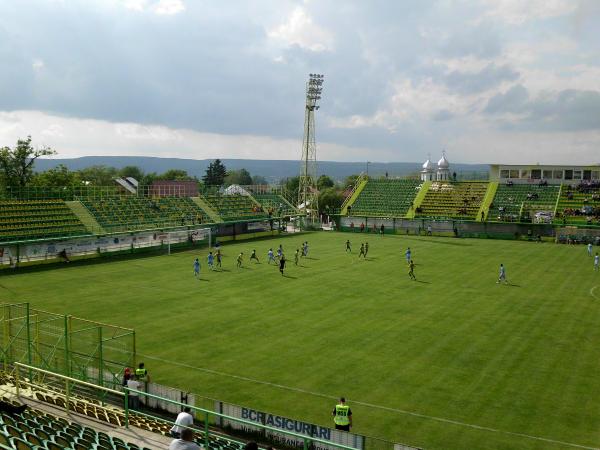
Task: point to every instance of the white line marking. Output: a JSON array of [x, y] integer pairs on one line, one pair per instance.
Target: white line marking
[[592, 292], [368, 405]]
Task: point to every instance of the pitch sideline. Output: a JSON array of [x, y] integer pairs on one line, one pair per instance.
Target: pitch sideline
[[370, 405]]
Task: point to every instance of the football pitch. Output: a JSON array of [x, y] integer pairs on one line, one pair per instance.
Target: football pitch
[[450, 361]]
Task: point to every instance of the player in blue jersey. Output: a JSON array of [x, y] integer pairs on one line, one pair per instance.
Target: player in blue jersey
[[211, 261], [197, 268]]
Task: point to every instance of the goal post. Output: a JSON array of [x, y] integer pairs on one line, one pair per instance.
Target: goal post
[[192, 236]]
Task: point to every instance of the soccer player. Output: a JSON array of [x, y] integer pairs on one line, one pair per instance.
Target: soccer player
[[211, 261], [197, 268], [282, 263], [253, 256], [279, 252], [219, 258], [348, 247], [502, 275], [240, 258], [408, 255], [296, 256], [589, 249], [270, 256], [366, 249], [362, 250], [596, 262], [411, 270], [305, 249]]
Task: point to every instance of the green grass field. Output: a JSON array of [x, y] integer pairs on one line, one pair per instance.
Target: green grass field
[[452, 361]]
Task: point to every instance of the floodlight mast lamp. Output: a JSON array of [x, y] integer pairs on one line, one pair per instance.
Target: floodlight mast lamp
[[307, 192]]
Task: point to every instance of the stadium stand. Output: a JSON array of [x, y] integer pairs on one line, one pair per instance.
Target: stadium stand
[[512, 199], [579, 205], [385, 198], [453, 200], [235, 206], [136, 213], [275, 202], [41, 426], [34, 219]]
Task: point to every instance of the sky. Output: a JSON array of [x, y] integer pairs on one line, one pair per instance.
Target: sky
[[488, 81]]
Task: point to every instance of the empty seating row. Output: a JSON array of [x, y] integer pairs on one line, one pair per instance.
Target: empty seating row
[[235, 206], [453, 200], [136, 213], [510, 200], [275, 203], [385, 198], [34, 429], [38, 219]]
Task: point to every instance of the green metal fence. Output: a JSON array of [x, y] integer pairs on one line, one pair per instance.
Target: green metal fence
[[68, 345]]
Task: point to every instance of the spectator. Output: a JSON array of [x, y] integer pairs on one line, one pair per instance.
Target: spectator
[[185, 442], [142, 373], [11, 409], [134, 399], [126, 375], [251, 446], [184, 419], [362, 227]]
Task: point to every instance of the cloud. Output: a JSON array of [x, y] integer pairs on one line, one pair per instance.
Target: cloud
[[551, 111], [299, 29], [490, 76], [512, 101], [160, 7], [87, 137], [518, 12]]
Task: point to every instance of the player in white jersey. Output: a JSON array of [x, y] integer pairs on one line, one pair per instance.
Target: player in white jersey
[[589, 249], [596, 262], [270, 256], [502, 275]]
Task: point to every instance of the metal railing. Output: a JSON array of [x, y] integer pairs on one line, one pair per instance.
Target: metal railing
[[70, 382]]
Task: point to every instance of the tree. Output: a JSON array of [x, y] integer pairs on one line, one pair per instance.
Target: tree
[[324, 182], [59, 176], [132, 171], [17, 164], [330, 197], [215, 174], [350, 181], [175, 175], [292, 185], [98, 175], [259, 180], [241, 176]]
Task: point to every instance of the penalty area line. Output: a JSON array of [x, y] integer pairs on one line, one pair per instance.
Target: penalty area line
[[592, 292], [369, 405]]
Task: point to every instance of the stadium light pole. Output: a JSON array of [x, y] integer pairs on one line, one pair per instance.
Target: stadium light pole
[[307, 193]]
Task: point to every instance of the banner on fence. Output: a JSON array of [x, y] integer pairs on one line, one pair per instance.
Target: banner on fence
[[290, 425], [106, 244]]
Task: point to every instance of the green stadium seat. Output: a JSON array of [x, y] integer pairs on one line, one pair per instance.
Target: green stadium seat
[[385, 198], [39, 219]]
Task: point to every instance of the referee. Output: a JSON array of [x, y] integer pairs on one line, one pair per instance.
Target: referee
[[342, 416]]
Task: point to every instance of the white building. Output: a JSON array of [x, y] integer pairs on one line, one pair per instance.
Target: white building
[[428, 172], [553, 174], [443, 169]]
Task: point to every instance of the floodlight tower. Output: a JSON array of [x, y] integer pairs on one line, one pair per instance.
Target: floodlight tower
[[307, 192]]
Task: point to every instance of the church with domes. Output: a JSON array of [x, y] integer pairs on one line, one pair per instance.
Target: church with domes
[[431, 172]]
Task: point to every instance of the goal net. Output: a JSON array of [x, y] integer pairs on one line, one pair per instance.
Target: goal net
[[180, 238]]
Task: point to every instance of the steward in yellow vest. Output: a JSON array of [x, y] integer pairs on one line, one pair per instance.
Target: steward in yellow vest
[[142, 373], [342, 416]]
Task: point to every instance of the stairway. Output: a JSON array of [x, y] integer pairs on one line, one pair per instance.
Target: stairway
[[85, 217]]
